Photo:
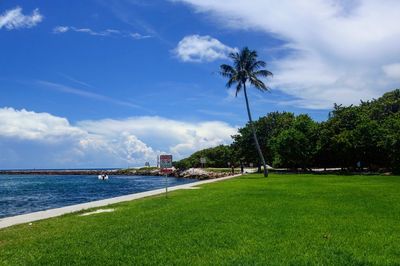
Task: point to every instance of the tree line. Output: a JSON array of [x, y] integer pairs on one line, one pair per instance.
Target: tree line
[[357, 136]]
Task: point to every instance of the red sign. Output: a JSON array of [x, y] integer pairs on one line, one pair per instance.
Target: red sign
[[165, 161], [166, 170]]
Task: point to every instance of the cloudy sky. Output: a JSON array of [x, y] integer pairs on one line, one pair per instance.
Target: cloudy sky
[[114, 83]]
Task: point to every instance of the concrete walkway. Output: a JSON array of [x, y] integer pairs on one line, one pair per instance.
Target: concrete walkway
[[40, 215]]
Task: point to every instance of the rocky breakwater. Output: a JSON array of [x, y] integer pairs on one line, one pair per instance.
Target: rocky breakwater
[[200, 173], [197, 173]]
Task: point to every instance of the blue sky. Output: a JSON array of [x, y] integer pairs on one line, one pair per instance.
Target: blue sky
[[71, 70], [143, 72]]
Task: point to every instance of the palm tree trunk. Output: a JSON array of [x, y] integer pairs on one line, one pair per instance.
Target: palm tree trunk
[[254, 132]]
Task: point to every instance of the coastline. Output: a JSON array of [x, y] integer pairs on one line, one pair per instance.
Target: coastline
[[46, 214], [194, 173]]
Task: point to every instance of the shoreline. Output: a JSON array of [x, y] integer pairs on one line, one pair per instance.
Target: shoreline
[[46, 214], [192, 173]]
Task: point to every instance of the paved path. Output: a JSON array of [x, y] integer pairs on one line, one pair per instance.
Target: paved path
[[40, 215]]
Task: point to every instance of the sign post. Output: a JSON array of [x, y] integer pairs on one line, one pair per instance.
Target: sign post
[[203, 161], [166, 165]]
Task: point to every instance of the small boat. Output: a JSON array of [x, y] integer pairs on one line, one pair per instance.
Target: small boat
[[102, 177]]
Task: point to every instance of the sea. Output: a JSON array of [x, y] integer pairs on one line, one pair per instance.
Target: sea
[[21, 194]]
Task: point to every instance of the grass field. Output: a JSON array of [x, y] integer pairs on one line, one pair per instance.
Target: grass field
[[281, 220]]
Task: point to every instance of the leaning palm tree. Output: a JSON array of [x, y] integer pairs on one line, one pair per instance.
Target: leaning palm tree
[[247, 69]]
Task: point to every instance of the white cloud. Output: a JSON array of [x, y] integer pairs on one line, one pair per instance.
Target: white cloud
[[28, 125], [104, 33], [60, 29], [179, 137], [14, 19], [38, 140], [116, 150], [138, 36], [91, 32], [196, 48], [392, 71], [338, 51], [84, 93]]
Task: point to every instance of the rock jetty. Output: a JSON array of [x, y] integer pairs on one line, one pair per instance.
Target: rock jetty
[[197, 173]]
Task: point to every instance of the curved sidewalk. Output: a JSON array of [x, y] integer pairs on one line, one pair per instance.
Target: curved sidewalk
[[40, 215]]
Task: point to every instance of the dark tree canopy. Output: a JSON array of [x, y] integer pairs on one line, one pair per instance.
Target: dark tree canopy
[[368, 133]]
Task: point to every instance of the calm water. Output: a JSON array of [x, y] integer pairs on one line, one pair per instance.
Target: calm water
[[21, 194]]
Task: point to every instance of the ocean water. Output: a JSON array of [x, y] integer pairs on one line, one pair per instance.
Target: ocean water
[[20, 194]]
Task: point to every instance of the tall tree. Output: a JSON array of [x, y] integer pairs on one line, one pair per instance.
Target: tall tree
[[295, 147], [247, 69]]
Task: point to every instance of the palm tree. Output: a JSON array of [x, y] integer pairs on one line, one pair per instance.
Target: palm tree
[[247, 68]]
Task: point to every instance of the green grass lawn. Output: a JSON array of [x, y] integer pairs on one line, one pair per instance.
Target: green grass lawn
[[281, 220]]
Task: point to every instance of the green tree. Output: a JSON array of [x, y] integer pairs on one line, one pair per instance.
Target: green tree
[[295, 147], [247, 69], [368, 133], [391, 141], [243, 146], [341, 139], [218, 156], [269, 126], [325, 156]]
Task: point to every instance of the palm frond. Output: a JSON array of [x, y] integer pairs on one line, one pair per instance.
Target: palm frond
[[236, 59], [233, 55], [263, 73], [231, 81], [257, 64], [245, 68], [238, 88], [227, 70], [258, 84]]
